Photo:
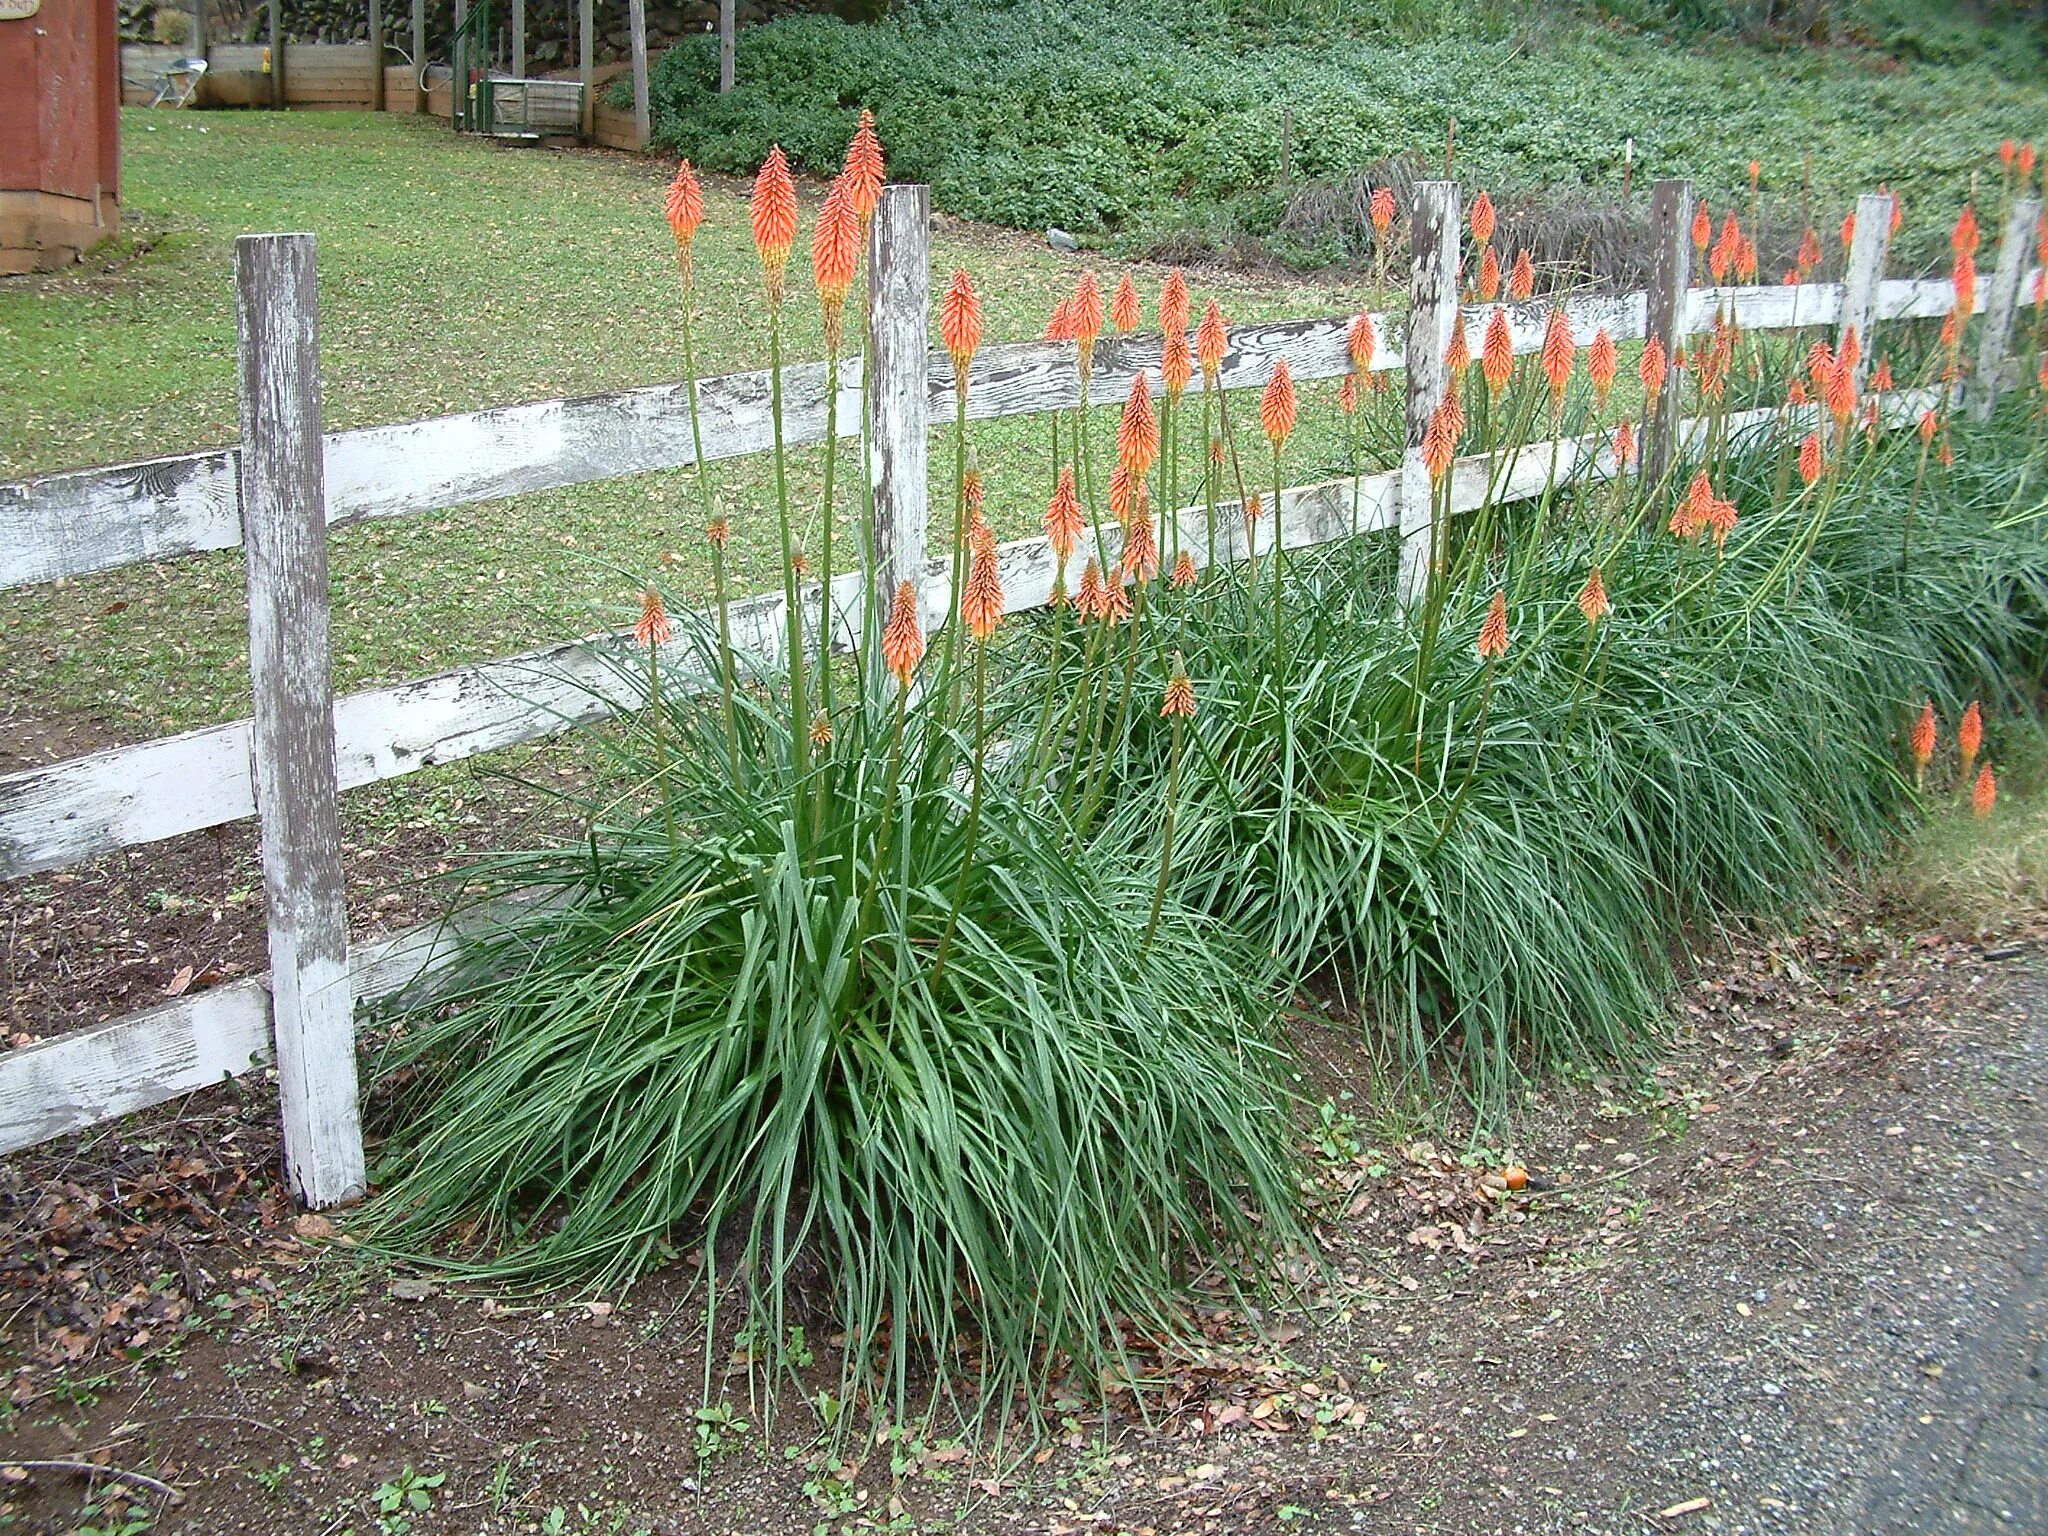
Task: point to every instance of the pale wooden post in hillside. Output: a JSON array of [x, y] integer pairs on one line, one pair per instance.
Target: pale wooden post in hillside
[[276, 24], [376, 56], [519, 38], [586, 55], [636, 12], [2000, 304], [898, 402], [1869, 248], [284, 541], [1432, 316], [726, 27], [1669, 300], [419, 57]]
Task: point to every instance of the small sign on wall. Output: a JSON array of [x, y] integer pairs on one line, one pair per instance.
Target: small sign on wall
[[19, 10]]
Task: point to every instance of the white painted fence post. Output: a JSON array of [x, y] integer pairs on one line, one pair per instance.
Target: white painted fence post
[[1432, 315], [2014, 243], [898, 408], [1669, 301], [284, 537], [1869, 248]]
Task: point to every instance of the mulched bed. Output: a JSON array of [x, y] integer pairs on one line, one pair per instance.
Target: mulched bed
[[1720, 1301]]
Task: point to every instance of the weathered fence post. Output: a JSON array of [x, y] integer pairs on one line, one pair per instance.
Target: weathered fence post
[[1869, 248], [1432, 315], [1669, 299], [274, 20], [586, 58], [519, 38], [376, 56], [636, 14], [726, 62], [2014, 242], [898, 425], [284, 540], [419, 57]]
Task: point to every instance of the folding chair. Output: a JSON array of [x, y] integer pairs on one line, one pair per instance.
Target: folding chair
[[177, 82]]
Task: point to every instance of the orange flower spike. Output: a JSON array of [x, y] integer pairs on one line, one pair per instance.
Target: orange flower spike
[[835, 250], [1946, 456], [1440, 440], [1881, 376], [1929, 425], [1898, 207], [1124, 309], [1482, 219], [654, 627], [1593, 598], [1493, 633], [1140, 560], [960, 324], [1087, 310], [1809, 251], [1522, 278], [2026, 161], [1810, 458], [1211, 342], [1560, 352], [1121, 493], [1382, 208], [1278, 408], [684, 206], [1362, 343], [1970, 736], [1347, 394], [1745, 261], [1653, 369], [1965, 278], [1602, 362], [1852, 350], [1984, 796], [1458, 355], [1180, 698], [1114, 605], [1088, 601], [1137, 434], [1922, 741], [903, 638], [717, 532], [863, 168], [1966, 236], [1841, 393], [1064, 518], [981, 605], [1184, 569], [1174, 303], [1721, 515], [1624, 445], [1756, 174], [1951, 333], [1254, 507], [1690, 517], [1702, 227], [1177, 363], [1060, 327], [1848, 229], [1489, 276], [1497, 355], [1797, 394], [773, 213], [2007, 148]]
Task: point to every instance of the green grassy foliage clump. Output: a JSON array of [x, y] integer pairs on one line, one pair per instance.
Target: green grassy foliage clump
[[1141, 124]]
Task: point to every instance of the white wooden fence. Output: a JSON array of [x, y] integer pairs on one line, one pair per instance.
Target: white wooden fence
[[278, 492]]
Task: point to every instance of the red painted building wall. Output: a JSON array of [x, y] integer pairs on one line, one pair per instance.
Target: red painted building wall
[[60, 131]]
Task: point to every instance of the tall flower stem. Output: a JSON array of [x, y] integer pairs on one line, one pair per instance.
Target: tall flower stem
[[703, 478], [799, 715], [1166, 830], [725, 668], [973, 810], [657, 714]]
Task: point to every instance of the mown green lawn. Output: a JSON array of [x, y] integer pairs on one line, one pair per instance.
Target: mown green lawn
[[453, 274]]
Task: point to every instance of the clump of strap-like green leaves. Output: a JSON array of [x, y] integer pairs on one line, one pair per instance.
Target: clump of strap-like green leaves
[[969, 988]]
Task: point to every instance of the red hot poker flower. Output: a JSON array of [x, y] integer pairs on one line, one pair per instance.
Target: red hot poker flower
[[1593, 597], [1810, 458], [1966, 236], [654, 627], [1624, 444], [1137, 434], [1277, 407], [1497, 355], [1087, 310], [981, 605], [1809, 251], [1362, 342], [1173, 303], [1482, 219], [903, 639], [1560, 351], [1923, 738], [1984, 797], [1124, 310], [1522, 279], [1493, 633], [1177, 363], [835, 247], [773, 214], [863, 168], [1211, 342], [1064, 518], [1140, 560], [1970, 736], [1382, 206], [1180, 698], [1653, 368], [960, 324], [1184, 569], [1702, 227], [1602, 361], [1489, 276], [684, 206]]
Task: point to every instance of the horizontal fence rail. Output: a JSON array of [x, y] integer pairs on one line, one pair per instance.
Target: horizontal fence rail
[[75, 523]]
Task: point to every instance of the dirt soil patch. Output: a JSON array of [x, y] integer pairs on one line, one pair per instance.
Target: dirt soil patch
[[1790, 1281]]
